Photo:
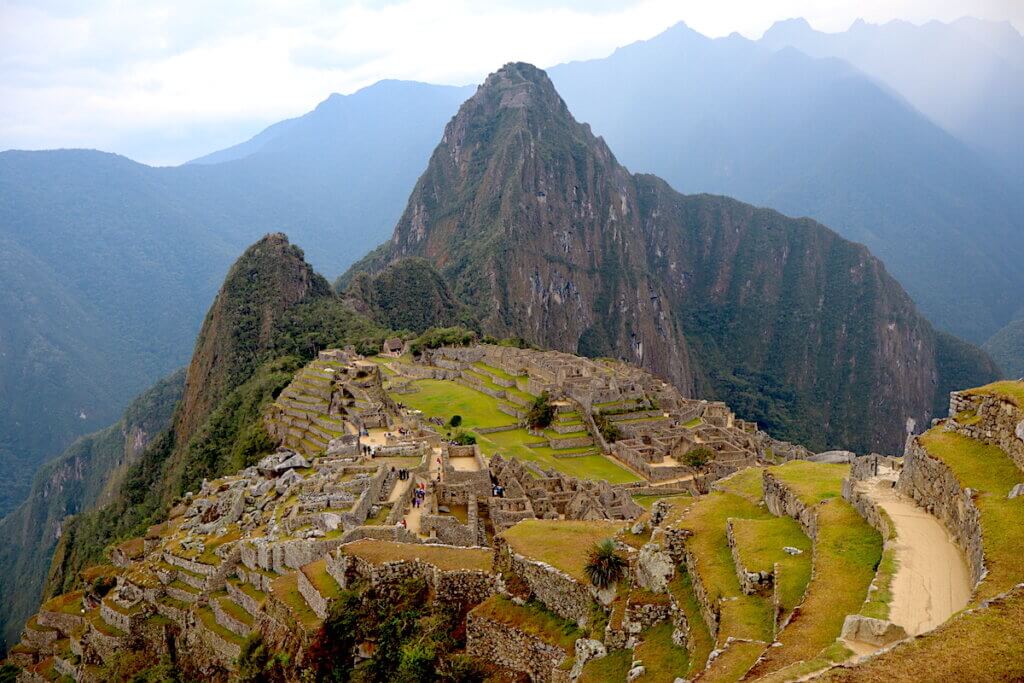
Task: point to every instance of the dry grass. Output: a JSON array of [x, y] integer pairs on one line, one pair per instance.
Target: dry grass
[[663, 660], [1009, 389], [443, 557], [316, 573], [562, 544], [745, 483], [613, 667], [984, 645], [286, 589], [735, 661]]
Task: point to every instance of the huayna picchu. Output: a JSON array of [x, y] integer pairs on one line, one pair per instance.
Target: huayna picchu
[[542, 234], [568, 425]]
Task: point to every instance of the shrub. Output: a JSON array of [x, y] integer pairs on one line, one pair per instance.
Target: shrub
[[257, 664], [541, 413], [605, 565], [698, 457], [464, 439], [455, 421]]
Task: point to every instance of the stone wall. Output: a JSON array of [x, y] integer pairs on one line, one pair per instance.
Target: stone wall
[[511, 648], [552, 587], [750, 582], [782, 501], [935, 488], [995, 420], [463, 586]]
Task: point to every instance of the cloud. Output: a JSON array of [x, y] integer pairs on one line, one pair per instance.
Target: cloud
[[165, 81]]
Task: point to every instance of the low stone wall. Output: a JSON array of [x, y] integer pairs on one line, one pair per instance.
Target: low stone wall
[[189, 565], [106, 647], [511, 648], [462, 586], [935, 488], [711, 611], [229, 622], [998, 422], [751, 583], [181, 594], [782, 501], [171, 612], [318, 603], [575, 442], [552, 587]]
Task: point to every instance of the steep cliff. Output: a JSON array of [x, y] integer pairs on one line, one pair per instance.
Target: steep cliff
[[408, 295], [82, 478], [545, 235]]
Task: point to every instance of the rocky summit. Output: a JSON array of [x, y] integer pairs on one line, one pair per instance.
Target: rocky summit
[[537, 227]]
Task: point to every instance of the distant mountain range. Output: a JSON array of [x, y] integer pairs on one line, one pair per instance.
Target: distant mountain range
[[108, 264]]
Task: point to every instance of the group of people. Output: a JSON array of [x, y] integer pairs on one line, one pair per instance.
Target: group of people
[[403, 473], [419, 494]]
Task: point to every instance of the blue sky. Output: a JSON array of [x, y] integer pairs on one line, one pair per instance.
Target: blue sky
[[165, 81]]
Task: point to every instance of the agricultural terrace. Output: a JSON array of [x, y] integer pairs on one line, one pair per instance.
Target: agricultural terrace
[[562, 544], [990, 472], [846, 553]]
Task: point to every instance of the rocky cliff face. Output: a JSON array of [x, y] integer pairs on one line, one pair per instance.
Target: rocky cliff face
[[539, 229]]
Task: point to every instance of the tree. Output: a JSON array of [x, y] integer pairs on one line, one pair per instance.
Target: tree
[[541, 413], [605, 565], [698, 457], [455, 421]]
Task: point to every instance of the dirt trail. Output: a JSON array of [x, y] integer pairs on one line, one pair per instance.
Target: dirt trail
[[932, 579]]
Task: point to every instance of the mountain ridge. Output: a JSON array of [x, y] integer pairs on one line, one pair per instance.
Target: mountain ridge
[[545, 236]]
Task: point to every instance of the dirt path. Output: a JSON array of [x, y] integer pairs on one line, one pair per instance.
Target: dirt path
[[932, 579]]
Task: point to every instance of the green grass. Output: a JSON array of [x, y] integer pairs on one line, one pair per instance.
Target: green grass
[[745, 483], [440, 398], [759, 543], [834, 653], [663, 660], [494, 371], [813, 482], [743, 616], [647, 501], [613, 667], [531, 618], [286, 589], [234, 609], [1009, 389], [880, 595], [692, 423], [846, 553], [562, 544], [990, 472], [324, 583], [699, 642], [210, 622], [595, 466]]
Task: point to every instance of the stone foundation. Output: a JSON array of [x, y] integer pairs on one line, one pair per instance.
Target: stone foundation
[[512, 649]]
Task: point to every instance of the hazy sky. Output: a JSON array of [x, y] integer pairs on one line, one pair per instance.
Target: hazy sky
[[168, 80]]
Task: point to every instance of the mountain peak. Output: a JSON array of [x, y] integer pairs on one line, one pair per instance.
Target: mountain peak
[[519, 85]]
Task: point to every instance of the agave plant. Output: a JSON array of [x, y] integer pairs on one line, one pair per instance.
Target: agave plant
[[605, 565]]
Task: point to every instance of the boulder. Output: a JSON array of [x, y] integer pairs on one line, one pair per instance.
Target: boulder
[[586, 649], [790, 550], [635, 673], [1016, 491], [833, 457], [654, 568], [874, 631]]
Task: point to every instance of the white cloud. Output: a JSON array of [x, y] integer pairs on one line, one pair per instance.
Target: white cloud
[[166, 81]]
